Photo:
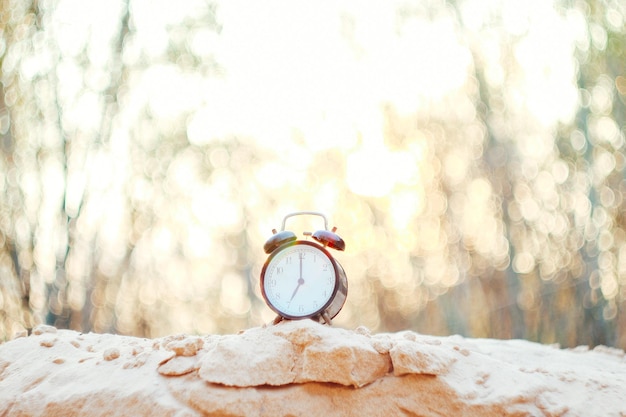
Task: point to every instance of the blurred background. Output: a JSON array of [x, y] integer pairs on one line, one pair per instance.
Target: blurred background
[[470, 152]]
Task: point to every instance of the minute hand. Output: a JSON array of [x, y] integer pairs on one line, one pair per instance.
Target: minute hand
[[300, 280]]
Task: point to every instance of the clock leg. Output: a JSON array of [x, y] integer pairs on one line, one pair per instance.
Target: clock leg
[[326, 318]]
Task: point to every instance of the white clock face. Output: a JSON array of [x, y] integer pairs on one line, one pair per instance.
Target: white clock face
[[299, 281]]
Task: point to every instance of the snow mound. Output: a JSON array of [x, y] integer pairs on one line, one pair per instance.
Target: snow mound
[[304, 368]]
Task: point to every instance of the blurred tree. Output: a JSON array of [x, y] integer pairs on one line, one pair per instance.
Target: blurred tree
[[48, 152], [560, 206]]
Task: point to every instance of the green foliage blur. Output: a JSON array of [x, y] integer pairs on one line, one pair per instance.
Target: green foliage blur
[[471, 154]]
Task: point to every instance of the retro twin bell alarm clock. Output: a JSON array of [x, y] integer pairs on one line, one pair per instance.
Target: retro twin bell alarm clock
[[301, 279]]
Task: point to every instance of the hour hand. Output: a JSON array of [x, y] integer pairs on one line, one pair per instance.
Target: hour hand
[[295, 291]]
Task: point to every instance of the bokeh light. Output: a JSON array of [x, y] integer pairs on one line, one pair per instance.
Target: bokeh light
[[471, 154]]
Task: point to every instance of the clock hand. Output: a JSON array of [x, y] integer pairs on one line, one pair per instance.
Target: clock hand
[[300, 281], [296, 290]]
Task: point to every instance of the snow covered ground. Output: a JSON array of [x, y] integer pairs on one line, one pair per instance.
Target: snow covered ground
[[304, 368]]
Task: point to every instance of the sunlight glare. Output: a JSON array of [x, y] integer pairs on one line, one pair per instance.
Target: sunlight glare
[[546, 55], [405, 206], [375, 171]]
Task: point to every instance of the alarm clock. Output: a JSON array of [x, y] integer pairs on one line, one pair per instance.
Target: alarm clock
[[301, 279]]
